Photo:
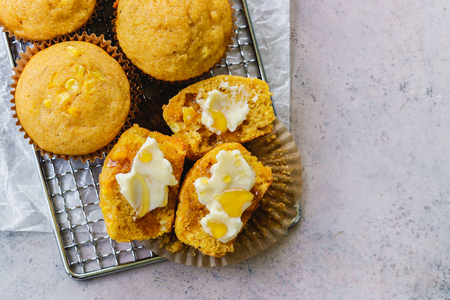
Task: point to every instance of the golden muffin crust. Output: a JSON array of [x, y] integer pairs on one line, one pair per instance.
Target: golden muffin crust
[[44, 19], [174, 40], [183, 114], [72, 98], [118, 214], [190, 211]]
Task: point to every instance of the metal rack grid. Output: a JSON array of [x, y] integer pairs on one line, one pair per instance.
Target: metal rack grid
[[72, 187]]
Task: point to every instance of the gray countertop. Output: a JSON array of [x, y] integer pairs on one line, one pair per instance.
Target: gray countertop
[[370, 107]]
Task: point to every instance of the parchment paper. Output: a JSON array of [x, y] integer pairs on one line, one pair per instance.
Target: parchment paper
[[22, 201]]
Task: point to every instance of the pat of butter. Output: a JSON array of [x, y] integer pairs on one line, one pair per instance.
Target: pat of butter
[[231, 174], [145, 186], [221, 112]]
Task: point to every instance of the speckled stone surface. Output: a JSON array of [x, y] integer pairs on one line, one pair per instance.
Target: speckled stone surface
[[370, 113]]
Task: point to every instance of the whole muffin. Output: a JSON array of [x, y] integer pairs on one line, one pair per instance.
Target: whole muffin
[[174, 40], [72, 98], [44, 19]]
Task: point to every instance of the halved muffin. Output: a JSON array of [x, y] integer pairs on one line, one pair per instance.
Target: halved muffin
[[139, 184], [218, 196], [218, 110]]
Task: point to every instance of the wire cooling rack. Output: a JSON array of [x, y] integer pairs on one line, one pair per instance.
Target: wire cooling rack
[[72, 187]]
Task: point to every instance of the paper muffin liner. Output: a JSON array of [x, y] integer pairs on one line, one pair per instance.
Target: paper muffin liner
[[193, 79], [135, 90], [82, 28], [271, 219]]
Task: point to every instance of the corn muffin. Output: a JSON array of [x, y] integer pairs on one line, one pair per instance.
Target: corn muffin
[[40, 20], [139, 185], [72, 98], [174, 40], [219, 110], [218, 196]]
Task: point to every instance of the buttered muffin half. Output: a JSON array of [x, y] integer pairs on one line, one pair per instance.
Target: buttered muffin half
[[218, 196], [222, 109], [139, 185]]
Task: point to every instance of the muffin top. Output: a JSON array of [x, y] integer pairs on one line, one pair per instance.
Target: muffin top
[[72, 98], [44, 19], [174, 40]]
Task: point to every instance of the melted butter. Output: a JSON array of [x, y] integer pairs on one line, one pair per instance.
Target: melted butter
[[227, 193], [144, 194], [220, 122], [237, 161], [233, 201], [224, 111], [218, 229], [226, 177], [145, 186], [145, 156]]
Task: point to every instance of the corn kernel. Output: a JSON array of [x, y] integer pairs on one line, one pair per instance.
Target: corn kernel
[[218, 229], [145, 156], [52, 81], [204, 181], [72, 86], [47, 103], [226, 178], [89, 86], [220, 122], [64, 97], [99, 75], [237, 162], [75, 112], [188, 114], [78, 71], [175, 127], [74, 51], [205, 52], [121, 154]]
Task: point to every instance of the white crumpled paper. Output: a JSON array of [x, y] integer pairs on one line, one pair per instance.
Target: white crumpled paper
[[22, 201], [271, 25], [23, 204]]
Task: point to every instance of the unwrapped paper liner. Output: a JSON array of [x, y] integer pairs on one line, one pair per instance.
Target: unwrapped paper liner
[[133, 78], [202, 76], [270, 221]]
